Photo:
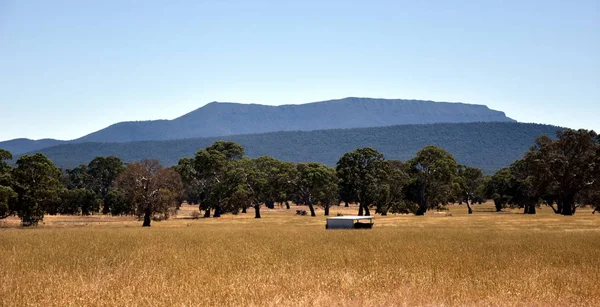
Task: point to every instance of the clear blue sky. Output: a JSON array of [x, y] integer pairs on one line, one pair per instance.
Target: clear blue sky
[[68, 68]]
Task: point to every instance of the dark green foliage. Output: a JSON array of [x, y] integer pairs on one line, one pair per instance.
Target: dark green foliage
[[468, 185], [77, 178], [101, 173], [390, 193], [192, 186], [488, 146], [316, 184], [37, 184], [498, 188], [79, 201], [211, 170], [432, 172], [361, 174], [565, 169], [115, 200], [8, 196]]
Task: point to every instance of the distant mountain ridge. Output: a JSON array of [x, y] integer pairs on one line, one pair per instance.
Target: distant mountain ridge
[[489, 146], [224, 119], [18, 146]]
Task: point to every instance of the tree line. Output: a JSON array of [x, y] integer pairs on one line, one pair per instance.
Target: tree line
[[561, 173]]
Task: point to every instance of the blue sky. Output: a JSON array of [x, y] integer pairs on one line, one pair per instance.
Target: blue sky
[[68, 68]]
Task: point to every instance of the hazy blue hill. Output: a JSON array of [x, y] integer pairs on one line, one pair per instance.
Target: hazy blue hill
[[489, 146], [18, 146], [222, 119]]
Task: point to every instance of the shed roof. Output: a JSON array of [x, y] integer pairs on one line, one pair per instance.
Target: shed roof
[[351, 217]]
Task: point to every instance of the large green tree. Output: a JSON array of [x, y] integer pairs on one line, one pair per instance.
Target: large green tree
[[316, 184], [361, 172], [469, 180], [192, 185], [102, 172], [78, 200], [37, 183], [565, 168], [8, 196], [390, 194], [211, 169], [150, 189], [498, 188], [433, 171]]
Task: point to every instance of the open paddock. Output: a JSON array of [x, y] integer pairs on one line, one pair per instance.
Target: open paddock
[[488, 258]]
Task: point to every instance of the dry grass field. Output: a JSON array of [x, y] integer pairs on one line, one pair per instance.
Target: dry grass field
[[486, 259]]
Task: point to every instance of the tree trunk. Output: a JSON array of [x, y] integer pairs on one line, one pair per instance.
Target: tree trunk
[[244, 210], [256, 211], [326, 208], [105, 208], [360, 209], [422, 207], [207, 212], [498, 204], [367, 212], [217, 211], [287, 205], [384, 212], [312, 209], [147, 215], [559, 206], [529, 209], [346, 204], [567, 207], [551, 204], [469, 207]]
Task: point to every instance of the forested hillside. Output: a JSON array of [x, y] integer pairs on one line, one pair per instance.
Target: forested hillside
[[488, 146]]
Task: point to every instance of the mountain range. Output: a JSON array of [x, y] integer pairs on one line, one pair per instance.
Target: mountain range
[[319, 132], [489, 146], [226, 119]]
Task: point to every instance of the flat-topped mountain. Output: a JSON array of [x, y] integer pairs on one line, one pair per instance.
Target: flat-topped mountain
[[223, 119]]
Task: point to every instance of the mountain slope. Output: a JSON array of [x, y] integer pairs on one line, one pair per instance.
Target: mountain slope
[[489, 146], [221, 119], [18, 146]]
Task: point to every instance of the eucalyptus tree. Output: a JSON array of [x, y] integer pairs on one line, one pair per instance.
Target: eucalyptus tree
[[566, 167], [77, 201], [8, 196], [77, 178], [150, 189], [523, 193], [37, 184], [192, 184], [469, 181], [210, 168], [432, 171], [316, 184], [498, 188], [391, 192], [361, 172], [102, 172]]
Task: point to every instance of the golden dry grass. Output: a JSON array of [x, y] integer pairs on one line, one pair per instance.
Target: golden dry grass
[[287, 260]]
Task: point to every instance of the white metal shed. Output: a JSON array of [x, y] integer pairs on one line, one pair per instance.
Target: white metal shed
[[349, 222]]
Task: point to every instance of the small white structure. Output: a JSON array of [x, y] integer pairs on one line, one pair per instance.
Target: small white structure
[[349, 222]]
